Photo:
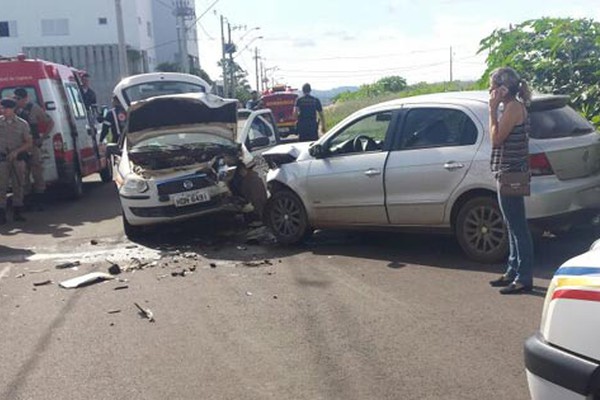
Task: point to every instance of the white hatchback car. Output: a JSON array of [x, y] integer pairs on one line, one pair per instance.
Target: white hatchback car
[[563, 358], [424, 163], [179, 155]]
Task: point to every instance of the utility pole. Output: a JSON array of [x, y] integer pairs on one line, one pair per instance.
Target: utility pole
[[223, 60], [450, 63], [183, 12], [123, 65], [256, 67], [231, 67]]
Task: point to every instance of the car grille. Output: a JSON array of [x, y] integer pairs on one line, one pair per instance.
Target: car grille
[[184, 184], [172, 211]]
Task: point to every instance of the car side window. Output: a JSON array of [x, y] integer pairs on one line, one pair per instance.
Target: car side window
[[437, 127], [260, 134], [365, 135]]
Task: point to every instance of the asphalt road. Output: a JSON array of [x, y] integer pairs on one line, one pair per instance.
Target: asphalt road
[[347, 316]]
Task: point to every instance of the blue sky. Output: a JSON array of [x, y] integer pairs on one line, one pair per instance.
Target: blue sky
[[332, 43]]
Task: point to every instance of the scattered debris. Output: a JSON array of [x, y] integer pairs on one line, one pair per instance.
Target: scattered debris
[[85, 280], [114, 311], [193, 268], [270, 273], [242, 248], [145, 313], [213, 265], [20, 276], [275, 297], [93, 242], [42, 283], [159, 277], [121, 287], [38, 271], [190, 255], [179, 273], [69, 264], [114, 269], [132, 246], [256, 263], [248, 293]]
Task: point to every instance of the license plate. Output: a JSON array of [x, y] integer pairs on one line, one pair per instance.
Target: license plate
[[189, 198]]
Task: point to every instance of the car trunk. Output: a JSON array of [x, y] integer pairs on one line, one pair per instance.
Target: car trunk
[[569, 142]]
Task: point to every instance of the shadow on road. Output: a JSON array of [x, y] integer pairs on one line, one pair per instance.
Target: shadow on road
[[14, 255], [99, 202]]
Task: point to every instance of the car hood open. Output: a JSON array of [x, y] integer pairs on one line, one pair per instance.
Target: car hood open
[[161, 114]]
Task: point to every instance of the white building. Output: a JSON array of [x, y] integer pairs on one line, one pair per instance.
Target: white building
[[83, 34]]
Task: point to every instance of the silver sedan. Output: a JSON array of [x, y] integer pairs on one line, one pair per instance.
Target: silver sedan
[[423, 163]]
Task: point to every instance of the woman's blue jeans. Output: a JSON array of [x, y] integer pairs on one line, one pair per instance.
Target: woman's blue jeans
[[520, 258]]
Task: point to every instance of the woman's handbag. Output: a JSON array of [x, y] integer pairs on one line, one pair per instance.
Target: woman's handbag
[[515, 183]]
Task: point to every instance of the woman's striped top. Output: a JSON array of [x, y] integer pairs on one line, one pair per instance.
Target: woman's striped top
[[513, 154]]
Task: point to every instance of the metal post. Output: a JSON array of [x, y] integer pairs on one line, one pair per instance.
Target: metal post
[[223, 61], [231, 67], [256, 67], [450, 63], [123, 64]]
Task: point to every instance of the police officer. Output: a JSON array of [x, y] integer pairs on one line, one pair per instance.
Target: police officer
[[15, 141], [305, 110], [40, 124], [114, 120]]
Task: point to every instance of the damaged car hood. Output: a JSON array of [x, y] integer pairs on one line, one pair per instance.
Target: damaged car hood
[[287, 153], [159, 115]]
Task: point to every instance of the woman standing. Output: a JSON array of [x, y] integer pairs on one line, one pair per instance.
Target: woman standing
[[509, 135]]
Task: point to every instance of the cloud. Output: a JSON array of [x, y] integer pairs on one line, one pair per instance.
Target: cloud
[[303, 42]]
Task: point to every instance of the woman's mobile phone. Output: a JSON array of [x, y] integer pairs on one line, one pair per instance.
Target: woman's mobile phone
[[502, 90]]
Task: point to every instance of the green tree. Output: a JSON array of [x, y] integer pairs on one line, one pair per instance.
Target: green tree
[[555, 55]]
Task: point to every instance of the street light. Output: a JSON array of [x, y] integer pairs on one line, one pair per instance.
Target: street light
[[248, 31], [248, 45]]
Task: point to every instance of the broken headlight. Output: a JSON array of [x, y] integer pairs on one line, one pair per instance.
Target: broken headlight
[[134, 186]]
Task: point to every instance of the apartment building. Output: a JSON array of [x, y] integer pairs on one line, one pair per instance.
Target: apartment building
[[83, 34]]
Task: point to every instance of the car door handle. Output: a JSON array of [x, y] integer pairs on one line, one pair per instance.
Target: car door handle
[[372, 172], [451, 165]]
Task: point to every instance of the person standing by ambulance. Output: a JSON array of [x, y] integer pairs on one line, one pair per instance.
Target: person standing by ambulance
[[305, 110], [40, 125], [15, 141], [114, 120]]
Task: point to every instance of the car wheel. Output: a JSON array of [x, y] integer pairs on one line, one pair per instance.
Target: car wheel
[[75, 187], [132, 232], [480, 230], [286, 217], [106, 174]]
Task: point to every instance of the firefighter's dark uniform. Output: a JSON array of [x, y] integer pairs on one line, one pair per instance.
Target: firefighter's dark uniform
[[115, 121], [14, 133], [307, 126]]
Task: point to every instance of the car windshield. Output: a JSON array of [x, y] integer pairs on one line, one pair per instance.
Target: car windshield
[[558, 123], [183, 140], [151, 89]]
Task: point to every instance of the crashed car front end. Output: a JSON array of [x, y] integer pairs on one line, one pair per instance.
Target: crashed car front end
[[180, 169]]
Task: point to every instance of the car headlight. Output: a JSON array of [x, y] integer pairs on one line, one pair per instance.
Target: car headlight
[[134, 186]]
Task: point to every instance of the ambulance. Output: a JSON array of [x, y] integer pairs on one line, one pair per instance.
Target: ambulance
[[71, 150]]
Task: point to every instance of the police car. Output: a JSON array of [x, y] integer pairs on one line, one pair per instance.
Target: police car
[[563, 358]]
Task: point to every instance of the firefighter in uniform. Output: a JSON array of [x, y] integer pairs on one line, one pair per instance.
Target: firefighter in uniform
[[115, 121], [15, 141], [305, 110], [40, 124]]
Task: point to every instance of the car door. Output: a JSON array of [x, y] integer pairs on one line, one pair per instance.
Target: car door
[[432, 154], [345, 186], [261, 132]]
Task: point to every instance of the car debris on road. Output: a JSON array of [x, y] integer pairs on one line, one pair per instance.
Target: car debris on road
[[85, 280], [145, 313]]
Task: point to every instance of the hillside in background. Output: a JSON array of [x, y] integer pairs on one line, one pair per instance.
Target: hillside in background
[[326, 96]]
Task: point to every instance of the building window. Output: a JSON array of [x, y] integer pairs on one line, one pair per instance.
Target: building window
[[55, 27], [102, 21], [149, 29], [8, 28]]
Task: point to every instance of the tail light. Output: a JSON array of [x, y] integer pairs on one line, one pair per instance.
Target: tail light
[[539, 165], [58, 145]]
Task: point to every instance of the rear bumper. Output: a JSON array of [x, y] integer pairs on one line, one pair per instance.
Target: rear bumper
[[554, 373]]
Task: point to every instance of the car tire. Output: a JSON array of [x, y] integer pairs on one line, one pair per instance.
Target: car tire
[[106, 174], [286, 217], [75, 186], [132, 232], [480, 230]]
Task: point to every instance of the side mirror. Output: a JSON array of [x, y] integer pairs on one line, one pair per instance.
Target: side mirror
[[112, 149], [260, 142], [317, 151]]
